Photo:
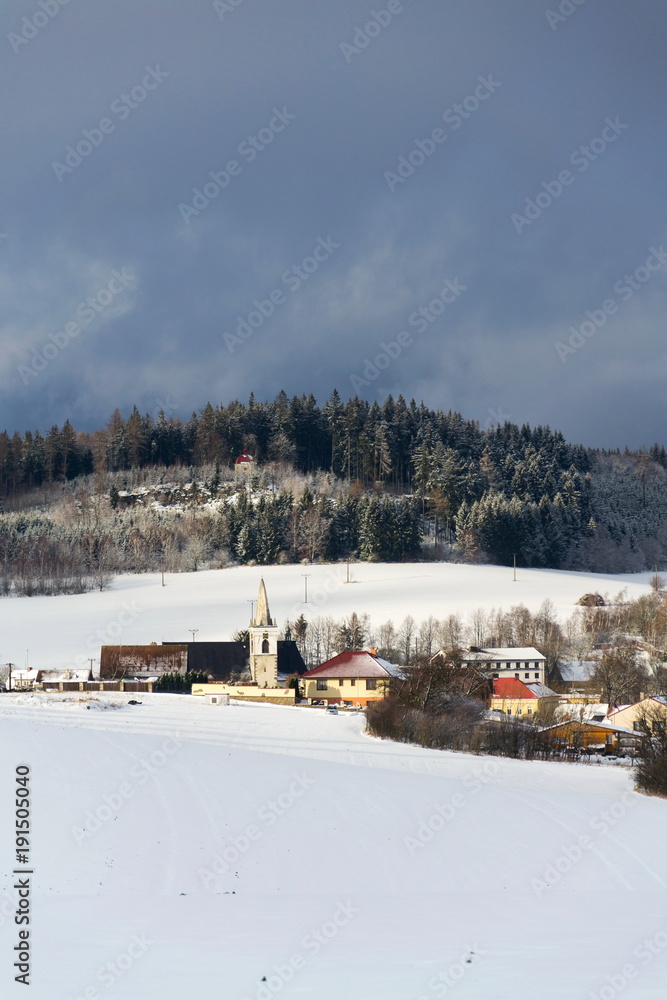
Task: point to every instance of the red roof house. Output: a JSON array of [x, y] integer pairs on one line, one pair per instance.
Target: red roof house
[[356, 677], [515, 697]]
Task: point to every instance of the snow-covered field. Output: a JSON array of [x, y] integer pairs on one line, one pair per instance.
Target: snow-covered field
[[54, 632], [255, 852], [184, 850]]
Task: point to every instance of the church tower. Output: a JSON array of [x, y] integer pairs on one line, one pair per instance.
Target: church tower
[[263, 633]]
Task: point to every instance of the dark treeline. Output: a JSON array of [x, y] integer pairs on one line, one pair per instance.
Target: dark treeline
[[391, 444], [494, 494]]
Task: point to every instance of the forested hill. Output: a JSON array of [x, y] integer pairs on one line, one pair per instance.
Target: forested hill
[[420, 482]]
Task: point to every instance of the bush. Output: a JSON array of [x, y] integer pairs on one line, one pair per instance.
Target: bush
[[651, 770], [180, 682]]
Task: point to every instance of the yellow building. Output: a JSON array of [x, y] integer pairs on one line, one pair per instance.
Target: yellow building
[[514, 697], [602, 736], [651, 709], [354, 678], [248, 692]]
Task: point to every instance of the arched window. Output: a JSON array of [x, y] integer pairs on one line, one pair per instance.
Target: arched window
[[265, 645]]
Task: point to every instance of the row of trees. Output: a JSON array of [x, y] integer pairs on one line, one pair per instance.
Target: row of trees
[[84, 540], [355, 440], [609, 636], [499, 494]]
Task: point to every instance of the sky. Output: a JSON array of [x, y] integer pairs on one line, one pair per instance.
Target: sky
[[463, 202]]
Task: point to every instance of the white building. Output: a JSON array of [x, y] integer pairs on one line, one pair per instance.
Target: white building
[[523, 662]]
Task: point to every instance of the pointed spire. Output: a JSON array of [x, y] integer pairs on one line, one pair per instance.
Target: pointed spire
[[262, 617]]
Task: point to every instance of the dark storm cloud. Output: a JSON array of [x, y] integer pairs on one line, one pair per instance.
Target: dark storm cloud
[[212, 151]]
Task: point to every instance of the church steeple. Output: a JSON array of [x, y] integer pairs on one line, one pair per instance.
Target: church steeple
[[263, 615], [263, 633]]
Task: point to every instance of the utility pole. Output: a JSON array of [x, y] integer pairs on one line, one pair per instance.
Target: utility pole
[[194, 632], [305, 585], [252, 611], [514, 577], [162, 568], [348, 570]]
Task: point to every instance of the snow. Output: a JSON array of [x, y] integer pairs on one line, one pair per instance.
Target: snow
[[265, 841], [181, 850], [66, 631]]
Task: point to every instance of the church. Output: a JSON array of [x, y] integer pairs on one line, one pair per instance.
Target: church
[[267, 657], [263, 634]]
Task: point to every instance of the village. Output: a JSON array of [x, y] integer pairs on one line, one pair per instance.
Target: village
[[264, 664]]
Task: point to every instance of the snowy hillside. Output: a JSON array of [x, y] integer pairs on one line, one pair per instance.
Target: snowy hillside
[[256, 851], [67, 630]]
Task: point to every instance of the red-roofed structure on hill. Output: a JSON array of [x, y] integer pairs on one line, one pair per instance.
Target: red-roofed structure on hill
[[244, 463], [356, 678]]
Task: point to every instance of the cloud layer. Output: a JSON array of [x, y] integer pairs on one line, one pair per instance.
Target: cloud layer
[[211, 150]]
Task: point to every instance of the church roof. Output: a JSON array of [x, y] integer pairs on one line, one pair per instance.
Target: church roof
[[244, 459], [263, 615]]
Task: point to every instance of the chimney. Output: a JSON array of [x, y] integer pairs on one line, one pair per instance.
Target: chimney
[[373, 651]]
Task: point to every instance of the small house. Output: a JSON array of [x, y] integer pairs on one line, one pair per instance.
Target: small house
[[523, 698], [651, 709], [355, 678]]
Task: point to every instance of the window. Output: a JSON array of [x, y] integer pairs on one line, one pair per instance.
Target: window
[[265, 645], [517, 676], [341, 682], [537, 677], [529, 711], [321, 685], [508, 665], [526, 665], [509, 711], [517, 665], [527, 676], [495, 675], [353, 681], [371, 684]]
